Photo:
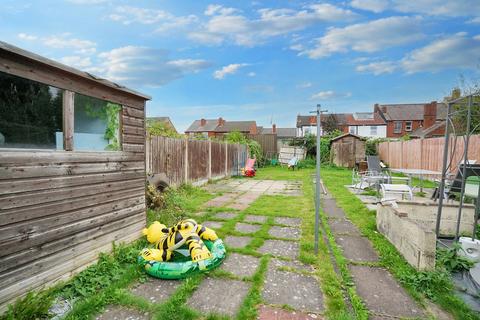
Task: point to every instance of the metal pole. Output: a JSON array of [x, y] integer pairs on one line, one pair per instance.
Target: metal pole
[[464, 169], [441, 188], [317, 178], [477, 212]]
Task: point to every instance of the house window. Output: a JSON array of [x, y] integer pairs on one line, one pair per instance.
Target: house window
[[30, 113], [408, 126], [96, 124], [397, 127], [352, 129], [373, 130]]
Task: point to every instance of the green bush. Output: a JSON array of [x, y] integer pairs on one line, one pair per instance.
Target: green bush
[[371, 146], [255, 149]]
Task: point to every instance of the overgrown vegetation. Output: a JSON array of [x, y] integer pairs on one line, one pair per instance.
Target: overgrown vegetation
[[309, 142], [159, 128], [371, 146]]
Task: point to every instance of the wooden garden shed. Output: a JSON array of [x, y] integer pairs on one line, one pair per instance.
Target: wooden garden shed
[[72, 170], [347, 150]]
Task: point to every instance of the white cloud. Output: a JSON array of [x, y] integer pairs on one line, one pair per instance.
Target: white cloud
[[28, 37], [162, 19], [458, 51], [228, 69], [64, 41], [77, 61], [370, 5], [228, 24], [304, 85], [329, 94], [377, 68], [474, 20], [251, 74], [453, 8], [144, 66], [367, 37], [87, 1]]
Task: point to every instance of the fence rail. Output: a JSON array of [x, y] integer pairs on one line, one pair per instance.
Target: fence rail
[[193, 161], [427, 153]]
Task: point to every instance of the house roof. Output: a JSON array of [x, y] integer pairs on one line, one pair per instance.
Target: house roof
[[425, 132], [282, 132], [242, 126], [414, 111], [364, 119], [196, 126], [303, 121]]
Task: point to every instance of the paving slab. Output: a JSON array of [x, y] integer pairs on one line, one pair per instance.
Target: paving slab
[[295, 264], [222, 200], [219, 296], [212, 224], [382, 294], [247, 227], [237, 241], [239, 206], [330, 208], [254, 218], [122, 313], [155, 290], [226, 215], [356, 248], [240, 265], [284, 232], [299, 291], [272, 313], [343, 226], [293, 222], [282, 248]]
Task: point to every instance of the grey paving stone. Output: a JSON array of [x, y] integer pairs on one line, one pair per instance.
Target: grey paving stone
[[277, 263], [343, 226], [284, 232], [122, 313], [155, 290], [212, 224], [330, 208], [292, 222], [299, 291], [382, 294], [288, 249], [271, 313], [247, 227], [226, 215], [239, 206], [219, 296], [357, 248], [254, 218], [240, 265], [237, 241]]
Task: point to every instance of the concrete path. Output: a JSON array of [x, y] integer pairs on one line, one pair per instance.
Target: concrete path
[[382, 295], [289, 291]]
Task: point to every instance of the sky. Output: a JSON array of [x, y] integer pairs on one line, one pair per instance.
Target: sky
[[258, 60]]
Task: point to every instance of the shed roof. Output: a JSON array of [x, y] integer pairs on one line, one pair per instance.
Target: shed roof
[[346, 135], [51, 63]]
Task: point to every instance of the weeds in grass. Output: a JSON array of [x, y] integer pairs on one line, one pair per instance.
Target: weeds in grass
[[451, 260], [32, 306]]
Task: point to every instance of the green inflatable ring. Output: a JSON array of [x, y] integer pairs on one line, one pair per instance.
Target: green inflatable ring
[[180, 268]]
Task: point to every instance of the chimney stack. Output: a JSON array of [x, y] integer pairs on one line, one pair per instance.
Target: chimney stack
[[203, 122], [274, 128], [220, 122], [429, 114]]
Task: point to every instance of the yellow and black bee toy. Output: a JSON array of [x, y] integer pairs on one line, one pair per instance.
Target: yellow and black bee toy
[[166, 240]]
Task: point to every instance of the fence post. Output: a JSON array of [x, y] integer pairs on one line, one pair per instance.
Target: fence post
[[226, 159], [209, 159], [186, 160]]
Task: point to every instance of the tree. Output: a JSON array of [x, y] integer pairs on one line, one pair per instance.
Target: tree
[[254, 147], [330, 124], [460, 110], [159, 128]]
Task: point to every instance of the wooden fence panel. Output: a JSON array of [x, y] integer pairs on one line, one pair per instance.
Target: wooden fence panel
[[197, 160], [268, 142], [218, 159], [428, 153]]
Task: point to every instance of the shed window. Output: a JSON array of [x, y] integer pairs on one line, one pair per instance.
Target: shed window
[[373, 130], [30, 114], [397, 127], [408, 126], [96, 124]]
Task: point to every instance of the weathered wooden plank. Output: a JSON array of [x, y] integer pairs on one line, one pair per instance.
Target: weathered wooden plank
[[18, 272], [62, 270], [9, 158], [23, 185], [133, 130], [69, 169], [31, 227], [29, 240], [39, 197], [134, 147], [30, 69], [133, 139], [134, 122], [36, 252], [68, 97], [21, 214], [132, 112]]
